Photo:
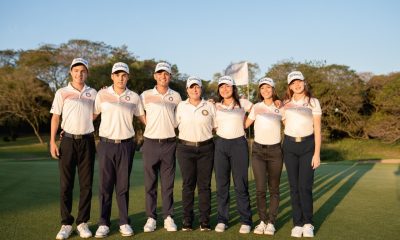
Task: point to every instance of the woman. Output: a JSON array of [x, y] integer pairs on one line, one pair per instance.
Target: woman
[[301, 150], [231, 154], [266, 153], [195, 152]]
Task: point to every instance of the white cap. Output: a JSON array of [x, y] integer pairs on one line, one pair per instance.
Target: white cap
[[266, 80], [295, 75], [226, 79], [193, 80], [79, 61], [163, 66], [120, 66]]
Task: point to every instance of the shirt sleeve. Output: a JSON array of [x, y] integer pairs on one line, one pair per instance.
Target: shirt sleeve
[[246, 104], [252, 114], [178, 114], [97, 104], [316, 107], [58, 102], [213, 114], [139, 109]]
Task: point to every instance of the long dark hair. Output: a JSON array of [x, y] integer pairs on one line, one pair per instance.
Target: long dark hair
[[235, 95], [274, 95], [289, 93]]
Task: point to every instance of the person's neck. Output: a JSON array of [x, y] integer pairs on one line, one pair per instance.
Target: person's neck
[[194, 102], [119, 91], [161, 89], [298, 96], [268, 101], [227, 101], [78, 86]]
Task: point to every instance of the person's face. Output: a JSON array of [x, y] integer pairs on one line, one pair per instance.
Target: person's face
[[162, 78], [120, 79], [79, 74], [225, 90], [266, 91], [194, 92], [297, 86]]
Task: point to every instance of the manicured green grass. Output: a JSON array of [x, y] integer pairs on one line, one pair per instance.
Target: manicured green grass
[[351, 201]]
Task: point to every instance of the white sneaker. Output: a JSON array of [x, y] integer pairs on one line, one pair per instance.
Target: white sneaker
[[245, 229], [297, 232], [270, 229], [150, 225], [170, 225], [308, 230], [83, 230], [220, 227], [260, 228], [102, 231], [126, 230], [64, 232]]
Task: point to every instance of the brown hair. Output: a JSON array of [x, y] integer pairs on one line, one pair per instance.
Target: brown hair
[[235, 95], [274, 95]]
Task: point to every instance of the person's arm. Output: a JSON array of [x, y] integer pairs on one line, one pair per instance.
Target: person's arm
[[95, 116], [55, 121], [316, 161], [248, 122], [142, 118]]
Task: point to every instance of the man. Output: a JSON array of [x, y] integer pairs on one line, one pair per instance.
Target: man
[[159, 147], [117, 105], [77, 148]]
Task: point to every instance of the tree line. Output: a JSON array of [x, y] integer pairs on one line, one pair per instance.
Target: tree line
[[354, 105]]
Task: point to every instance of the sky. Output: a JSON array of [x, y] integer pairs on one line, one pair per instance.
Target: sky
[[204, 37]]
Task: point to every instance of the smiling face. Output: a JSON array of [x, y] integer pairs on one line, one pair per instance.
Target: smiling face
[[266, 91], [162, 78], [120, 79], [79, 75], [297, 86], [226, 91]]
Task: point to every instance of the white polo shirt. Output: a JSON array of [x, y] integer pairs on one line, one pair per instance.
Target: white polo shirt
[[160, 113], [267, 123], [195, 123], [298, 116], [230, 119], [117, 113], [75, 108]]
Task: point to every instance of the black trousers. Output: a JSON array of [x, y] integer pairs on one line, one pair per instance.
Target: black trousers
[[196, 164], [159, 158], [115, 165], [76, 153], [297, 158], [231, 155], [267, 164]]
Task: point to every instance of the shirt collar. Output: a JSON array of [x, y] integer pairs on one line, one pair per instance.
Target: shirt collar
[[110, 89], [155, 92], [85, 87]]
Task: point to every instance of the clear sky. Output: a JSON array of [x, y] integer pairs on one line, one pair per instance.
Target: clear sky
[[202, 37]]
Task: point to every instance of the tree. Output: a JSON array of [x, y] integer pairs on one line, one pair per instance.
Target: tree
[[24, 97]]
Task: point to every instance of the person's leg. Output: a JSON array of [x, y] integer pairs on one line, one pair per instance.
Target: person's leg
[[274, 169], [306, 181], [222, 177], [106, 155], [291, 161], [167, 175], [85, 173], [151, 165], [205, 164], [240, 164], [259, 166], [67, 167]]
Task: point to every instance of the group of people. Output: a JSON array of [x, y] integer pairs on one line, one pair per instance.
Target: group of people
[[198, 152]]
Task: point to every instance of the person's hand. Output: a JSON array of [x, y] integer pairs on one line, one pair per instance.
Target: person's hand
[[61, 134], [211, 101], [54, 150], [315, 162], [278, 103]]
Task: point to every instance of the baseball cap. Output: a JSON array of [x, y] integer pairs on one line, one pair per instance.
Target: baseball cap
[[120, 66], [163, 66], [193, 80], [295, 75], [226, 79], [266, 80], [77, 61]]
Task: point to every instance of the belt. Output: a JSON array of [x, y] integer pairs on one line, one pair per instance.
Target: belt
[[299, 139], [116, 141], [195, 144], [76, 136], [266, 145], [162, 140]]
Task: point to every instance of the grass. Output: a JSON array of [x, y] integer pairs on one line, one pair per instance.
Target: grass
[[351, 200]]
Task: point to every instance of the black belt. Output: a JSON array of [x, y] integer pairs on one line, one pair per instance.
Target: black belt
[[117, 141], [162, 140], [266, 145], [76, 136], [299, 139], [195, 144]]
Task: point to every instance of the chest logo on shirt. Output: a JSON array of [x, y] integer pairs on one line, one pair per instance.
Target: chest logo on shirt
[[277, 110], [171, 99], [127, 98], [88, 94], [204, 112]]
